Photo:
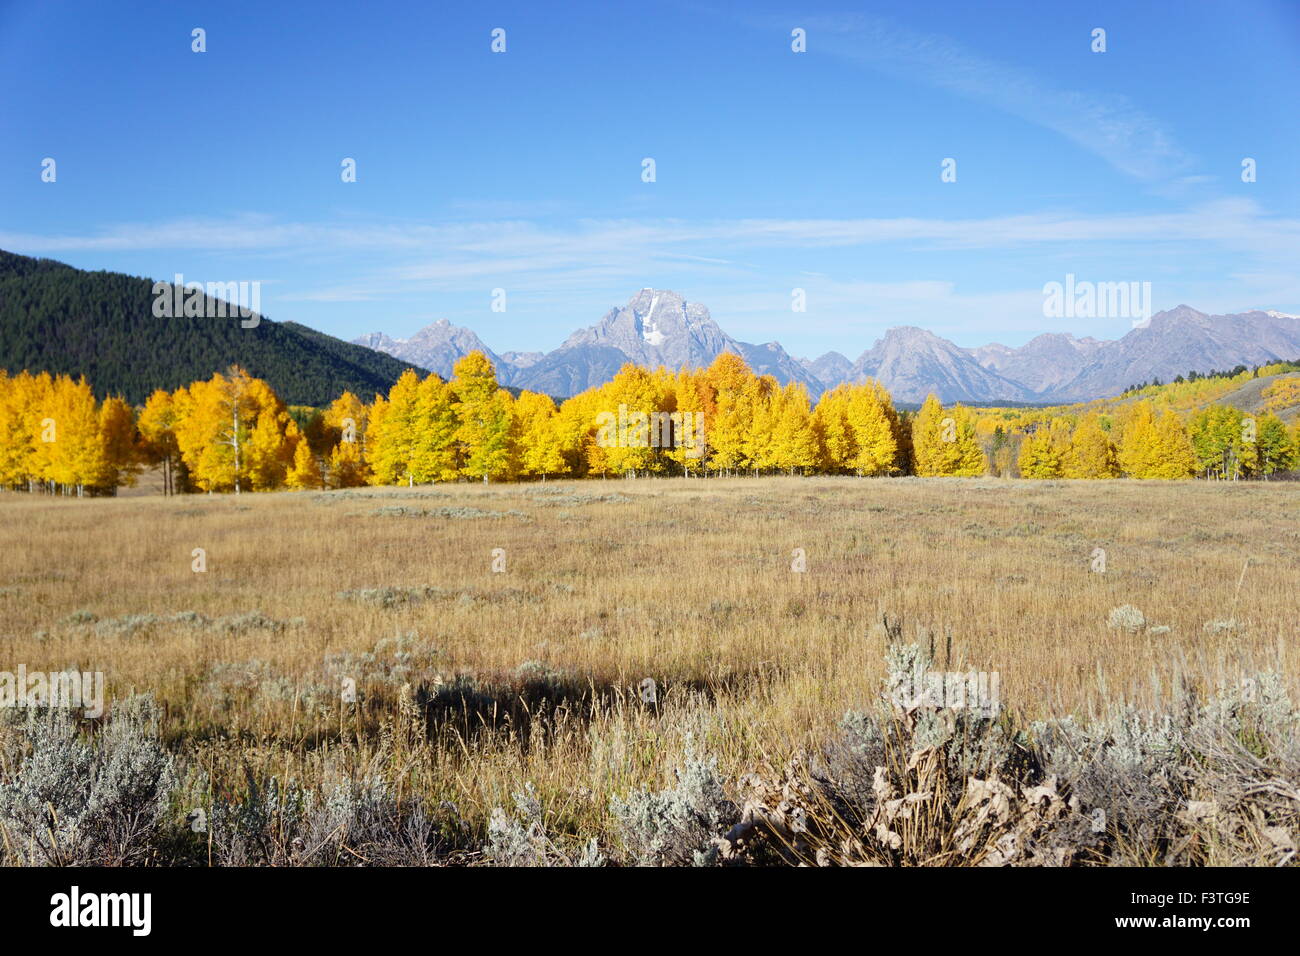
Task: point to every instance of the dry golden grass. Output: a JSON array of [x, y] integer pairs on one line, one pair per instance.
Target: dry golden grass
[[608, 582]]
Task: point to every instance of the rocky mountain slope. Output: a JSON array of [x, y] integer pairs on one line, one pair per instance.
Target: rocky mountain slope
[[659, 327]]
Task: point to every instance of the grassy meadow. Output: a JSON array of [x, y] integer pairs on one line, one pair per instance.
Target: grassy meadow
[[474, 685]]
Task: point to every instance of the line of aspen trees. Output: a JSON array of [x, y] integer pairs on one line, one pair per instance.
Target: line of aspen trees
[[232, 433]]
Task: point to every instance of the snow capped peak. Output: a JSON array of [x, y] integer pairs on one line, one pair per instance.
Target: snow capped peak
[[649, 328], [1281, 315]]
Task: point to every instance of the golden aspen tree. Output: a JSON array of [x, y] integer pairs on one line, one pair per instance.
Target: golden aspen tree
[[765, 455], [375, 415], [42, 430], [762, 400], [234, 397], [875, 449], [347, 413], [433, 456], [1092, 454], [575, 429], [487, 447], [541, 454], [1220, 438], [214, 423], [693, 406], [945, 443], [392, 432], [346, 467], [492, 439], [1275, 450], [75, 459], [595, 445], [347, 420], [727, 431], [306, 471], [966, 457], [1043, 453], [16, 420], [930, 431], [157, 425], [677, 397], [43, 434], [835, 435], [1175, 457], [631, 423], [1035, 459], [1137, 448], [794, 445], [122, 457], [270, 449], [1282, 394], [233, 403], [900, 430]]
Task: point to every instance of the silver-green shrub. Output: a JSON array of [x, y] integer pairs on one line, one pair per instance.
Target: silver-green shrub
[[73, 801]]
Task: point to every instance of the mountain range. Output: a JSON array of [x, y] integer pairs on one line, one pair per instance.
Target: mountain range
[[659, 327], [64, 320]]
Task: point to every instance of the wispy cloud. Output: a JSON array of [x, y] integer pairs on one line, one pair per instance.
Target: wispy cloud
[[1112, 127], [515, 246], [592, 263]]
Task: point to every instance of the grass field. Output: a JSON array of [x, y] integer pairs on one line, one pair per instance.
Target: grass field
[[472, 682]]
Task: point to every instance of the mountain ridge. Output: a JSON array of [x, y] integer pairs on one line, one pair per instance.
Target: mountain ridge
[[660, 327], [63, 320], [67, 321]]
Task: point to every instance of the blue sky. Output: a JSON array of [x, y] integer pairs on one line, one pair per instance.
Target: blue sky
[[775, 170]]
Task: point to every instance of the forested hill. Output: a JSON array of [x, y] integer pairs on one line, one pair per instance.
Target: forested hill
[[62, 320]]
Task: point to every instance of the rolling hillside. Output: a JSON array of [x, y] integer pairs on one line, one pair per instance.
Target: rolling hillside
[[62, 320], [1271, 388]]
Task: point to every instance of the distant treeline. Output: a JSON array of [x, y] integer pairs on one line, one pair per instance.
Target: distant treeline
[[233, 433], [1235, 372]]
